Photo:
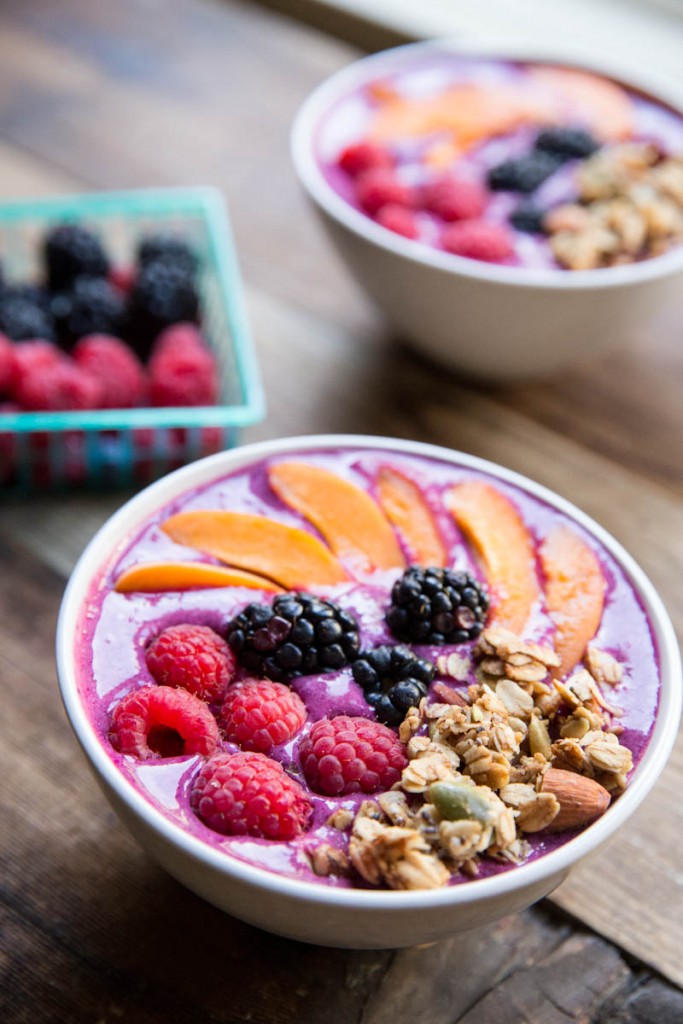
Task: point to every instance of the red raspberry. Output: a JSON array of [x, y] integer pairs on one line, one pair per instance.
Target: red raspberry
[[454, 199], [360, 157], [249, 794], [157, 721], [351, 755], [398, 219], [122, 278], [56, 386], [114, 364], [381, 187], [478, 240], [8, 364], [194, 658], [182, 369], [260, 715], [32, 356]]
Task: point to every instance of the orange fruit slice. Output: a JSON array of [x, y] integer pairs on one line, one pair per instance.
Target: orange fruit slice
[[405, 507], [348, 518], [575, 593], [153, 577], [583, 97], [292, 557], [469, 111], [496, 531]]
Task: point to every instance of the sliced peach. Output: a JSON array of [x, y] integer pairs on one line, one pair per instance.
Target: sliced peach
[[470, 111], [495, 529], [286, 554], [153, 577], [348, 518], [588, 98], [405, 507], [575, 593]]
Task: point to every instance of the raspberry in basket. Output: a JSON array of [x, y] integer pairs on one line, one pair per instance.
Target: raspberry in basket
[[57, 387], [351, 755], [158, 721], [8, 365], [115, 366], [193, 657], [250, 794], [182, 369], [259, 714]]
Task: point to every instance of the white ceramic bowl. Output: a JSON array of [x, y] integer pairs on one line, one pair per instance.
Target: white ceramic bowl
[[316, 913], [487, 321]]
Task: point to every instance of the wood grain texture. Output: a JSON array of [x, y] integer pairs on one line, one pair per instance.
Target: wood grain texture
[[94, 95]]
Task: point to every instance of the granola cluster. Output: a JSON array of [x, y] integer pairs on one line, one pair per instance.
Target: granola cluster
[[630, 207], [515, 753]]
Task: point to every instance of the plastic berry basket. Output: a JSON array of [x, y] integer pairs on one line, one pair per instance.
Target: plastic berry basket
[[106, 448]]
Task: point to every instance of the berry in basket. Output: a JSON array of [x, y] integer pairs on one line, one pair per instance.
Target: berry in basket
[[127, 336]]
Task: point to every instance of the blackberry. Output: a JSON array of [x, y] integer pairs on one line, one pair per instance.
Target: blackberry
[[93, 306], [437, 606], [71, 251], [528, 218], [163, 294], [393, 679], [21, 319], [523, 173], [32, 293], [568, 143], [298, 635], [167, 248]]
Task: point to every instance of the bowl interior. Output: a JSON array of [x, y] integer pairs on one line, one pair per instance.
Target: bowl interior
[[124, 523]]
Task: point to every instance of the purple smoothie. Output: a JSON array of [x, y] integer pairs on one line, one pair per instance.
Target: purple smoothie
[[116, 627], [352, 118]]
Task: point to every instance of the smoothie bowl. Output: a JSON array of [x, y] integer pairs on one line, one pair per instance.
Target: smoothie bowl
[[365, 692], [512, 209]]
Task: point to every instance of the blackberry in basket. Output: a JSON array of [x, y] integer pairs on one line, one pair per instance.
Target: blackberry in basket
[[437, 606], [32, 293], [163, 294], [166, 247], [93, 306], [393, 679], [298, 635], [71, 251], [22, 318]]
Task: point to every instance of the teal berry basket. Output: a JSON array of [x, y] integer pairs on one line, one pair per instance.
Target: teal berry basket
[[110, 448]]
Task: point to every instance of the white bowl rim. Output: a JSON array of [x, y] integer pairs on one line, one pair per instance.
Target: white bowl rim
[[127, 519], [343, 82]]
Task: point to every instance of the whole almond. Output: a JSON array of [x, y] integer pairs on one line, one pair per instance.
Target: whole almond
[[581, 800]]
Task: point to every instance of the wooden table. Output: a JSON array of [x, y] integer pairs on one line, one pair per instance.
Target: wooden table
[[147, 92]]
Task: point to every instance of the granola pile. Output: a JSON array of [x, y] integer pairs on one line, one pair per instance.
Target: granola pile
[[630, 207], [513, 754]]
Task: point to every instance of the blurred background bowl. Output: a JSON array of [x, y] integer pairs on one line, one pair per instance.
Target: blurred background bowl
[[485, 320]]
